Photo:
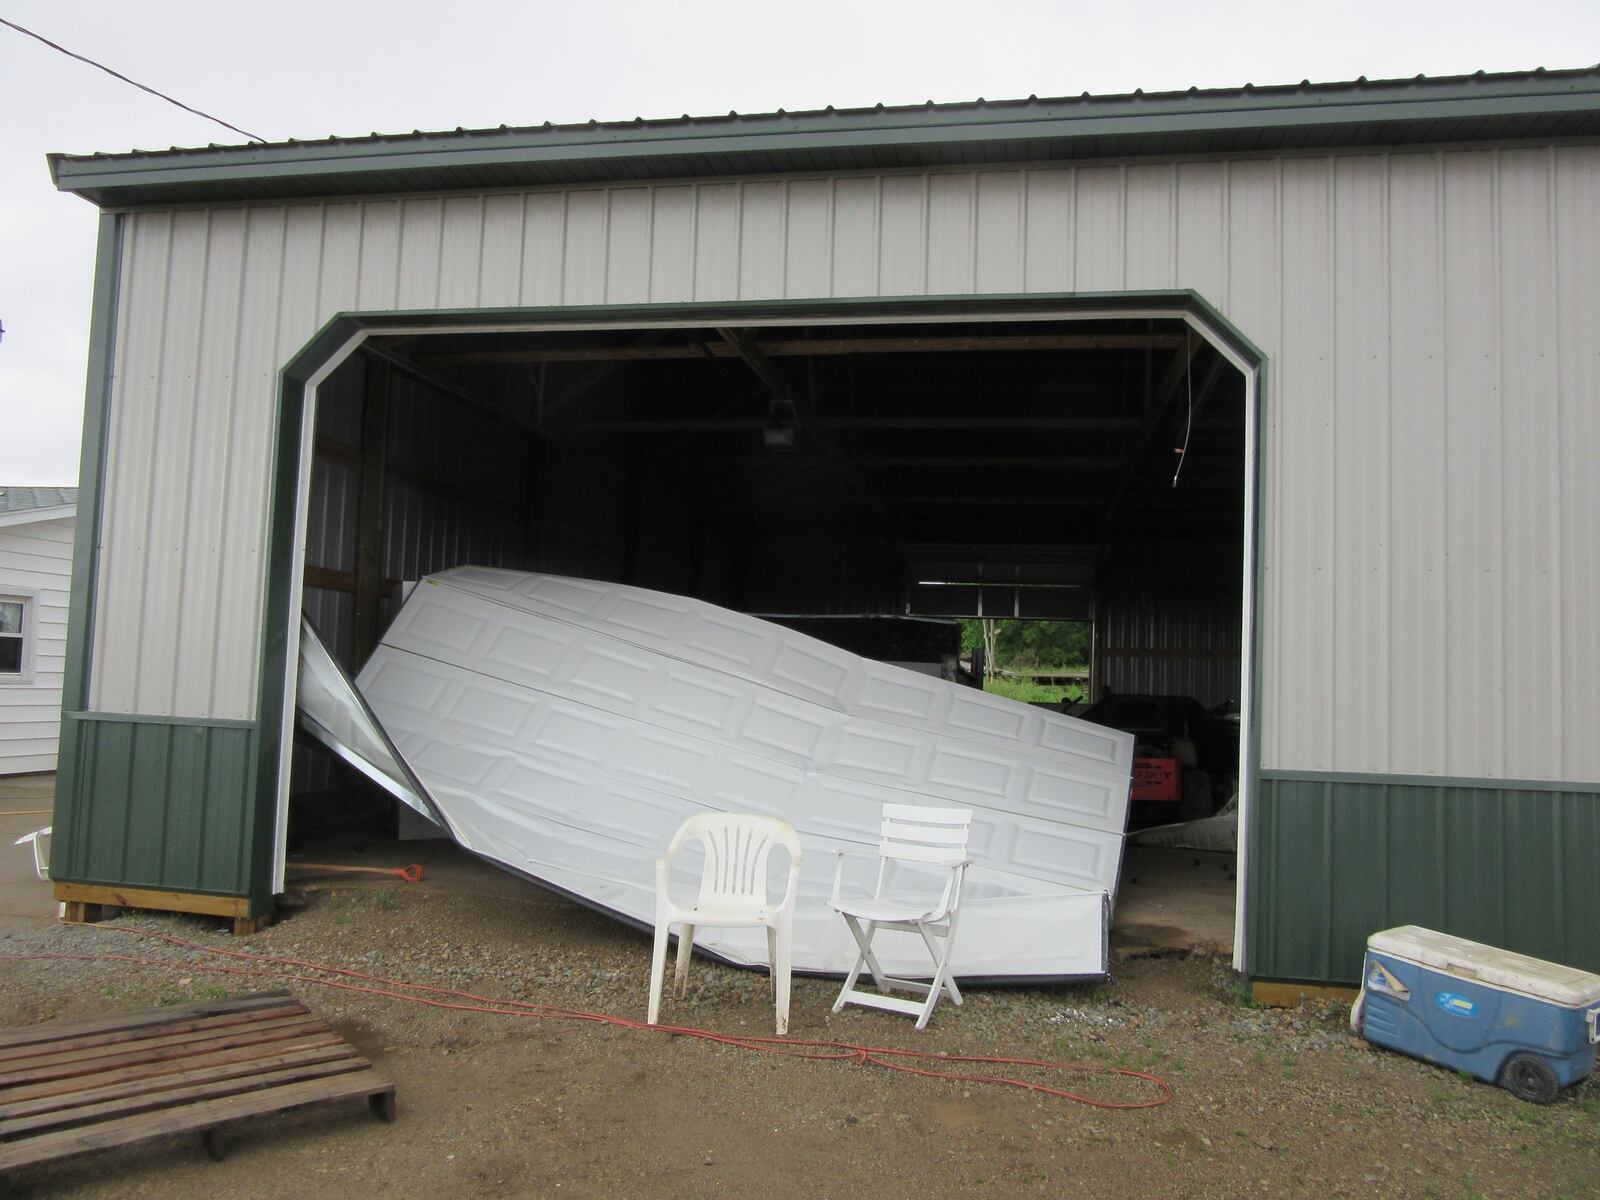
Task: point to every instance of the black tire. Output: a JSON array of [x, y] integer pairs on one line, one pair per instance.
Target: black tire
[[1529, 1077]]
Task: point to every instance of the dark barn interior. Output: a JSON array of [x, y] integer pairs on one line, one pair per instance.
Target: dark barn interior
[[1084, 469]]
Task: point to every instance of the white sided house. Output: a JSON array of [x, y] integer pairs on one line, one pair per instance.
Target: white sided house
[[36, 528], [1292, 391]]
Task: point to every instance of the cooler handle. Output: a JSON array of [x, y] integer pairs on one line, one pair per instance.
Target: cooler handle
[[1594, 1026]]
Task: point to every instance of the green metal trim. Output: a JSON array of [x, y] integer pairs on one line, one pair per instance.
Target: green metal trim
[[656, 148], [70, 820], [273, 653], [1344, 858], [159, 803], [1432, 781], [272, 660], [92, 462], [866, 308], [151, 719]]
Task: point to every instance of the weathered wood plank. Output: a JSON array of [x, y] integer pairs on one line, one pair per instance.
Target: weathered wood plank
[[58, 1030], [89, 1061], [138, 1082], [124, 1037], [244, 1054], [124, 1131], [174, 1096]]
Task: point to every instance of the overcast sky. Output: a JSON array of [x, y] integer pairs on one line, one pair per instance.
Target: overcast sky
[[306, 70]]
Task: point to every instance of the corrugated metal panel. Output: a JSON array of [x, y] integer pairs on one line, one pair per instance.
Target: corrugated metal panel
[[1164, 644], [1326, 262], [1508, 105], [1335, 860], [158, 805]]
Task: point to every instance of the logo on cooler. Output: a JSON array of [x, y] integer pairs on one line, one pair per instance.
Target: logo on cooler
[[1455, 1005]]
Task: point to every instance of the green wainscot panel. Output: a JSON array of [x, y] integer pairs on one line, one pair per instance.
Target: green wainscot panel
[[154, 802], [1335, 858]]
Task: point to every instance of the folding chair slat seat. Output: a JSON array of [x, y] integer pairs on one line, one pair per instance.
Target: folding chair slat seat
[[923, 837]]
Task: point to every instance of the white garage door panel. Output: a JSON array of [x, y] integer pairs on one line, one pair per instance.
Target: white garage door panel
[[691, 699], [759, 652], [332, 712], [535, 729], [566, 728]]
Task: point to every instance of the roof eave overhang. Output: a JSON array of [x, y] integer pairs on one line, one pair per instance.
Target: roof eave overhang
[[29, 516], [782, 142]]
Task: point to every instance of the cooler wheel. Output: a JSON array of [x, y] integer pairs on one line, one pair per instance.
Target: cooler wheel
[[1529, 1077]]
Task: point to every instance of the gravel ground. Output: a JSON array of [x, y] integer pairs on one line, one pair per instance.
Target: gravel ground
[[1266, 1102]]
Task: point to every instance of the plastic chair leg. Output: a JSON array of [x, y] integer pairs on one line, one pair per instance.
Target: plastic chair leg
[[680, 977], [658, 971], [772, 962], [781, 970]]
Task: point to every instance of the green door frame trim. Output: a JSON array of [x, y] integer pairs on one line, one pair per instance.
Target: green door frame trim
[[86, 533], [290, 475], [92, 462]]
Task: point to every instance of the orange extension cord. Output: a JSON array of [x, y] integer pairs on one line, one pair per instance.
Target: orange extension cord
[[418, 993]]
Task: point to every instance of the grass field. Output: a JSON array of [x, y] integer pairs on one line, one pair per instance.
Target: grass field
[[1035, 693]]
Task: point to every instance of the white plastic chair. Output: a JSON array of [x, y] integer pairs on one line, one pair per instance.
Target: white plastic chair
[[929, 837], [733, 894], [41, 849]]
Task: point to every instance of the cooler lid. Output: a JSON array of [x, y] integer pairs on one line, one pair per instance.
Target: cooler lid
[[1552, 982]]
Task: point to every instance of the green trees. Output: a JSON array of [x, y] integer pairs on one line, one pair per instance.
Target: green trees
[[1029, 644]]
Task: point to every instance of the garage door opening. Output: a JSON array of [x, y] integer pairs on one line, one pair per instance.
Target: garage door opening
[[1086, 470]]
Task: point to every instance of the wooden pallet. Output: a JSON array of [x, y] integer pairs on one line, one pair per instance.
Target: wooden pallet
[[70, 1087]]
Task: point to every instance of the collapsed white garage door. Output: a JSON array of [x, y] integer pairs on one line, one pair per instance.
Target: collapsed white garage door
[[564, 728]]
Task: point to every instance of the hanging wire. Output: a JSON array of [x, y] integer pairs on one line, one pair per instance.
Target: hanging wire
[[1188, 428], [118, 75]]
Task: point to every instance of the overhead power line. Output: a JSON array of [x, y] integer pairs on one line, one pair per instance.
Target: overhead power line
[[118, 75]]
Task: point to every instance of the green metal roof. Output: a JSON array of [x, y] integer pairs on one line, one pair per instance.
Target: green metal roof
[[1471, 108]]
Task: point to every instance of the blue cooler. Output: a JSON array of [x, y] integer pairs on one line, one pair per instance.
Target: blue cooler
[[1521, 1022]]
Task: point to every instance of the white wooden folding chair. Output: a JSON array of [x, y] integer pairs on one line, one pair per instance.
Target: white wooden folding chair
[[915, 837], [733, 894]]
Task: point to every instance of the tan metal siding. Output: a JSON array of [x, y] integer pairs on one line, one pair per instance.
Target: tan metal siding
[[1576, 230], [1430, 551]]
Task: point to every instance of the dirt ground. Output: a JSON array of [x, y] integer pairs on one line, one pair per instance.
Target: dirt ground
[[1265, 1103]]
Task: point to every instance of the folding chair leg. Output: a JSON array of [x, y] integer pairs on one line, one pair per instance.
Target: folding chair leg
[[864, 940], [939, 961], [864, 958], [680, 977], [658, 971]]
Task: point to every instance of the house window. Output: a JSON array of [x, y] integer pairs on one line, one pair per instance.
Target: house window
[[15, 619]]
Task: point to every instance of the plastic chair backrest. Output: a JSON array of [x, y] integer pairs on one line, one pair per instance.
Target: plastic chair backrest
[[737, 847], [937, 836]]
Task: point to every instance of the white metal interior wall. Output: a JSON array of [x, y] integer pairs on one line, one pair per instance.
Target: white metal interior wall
[[455, 490], [1431, 550], [1171, 644]]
